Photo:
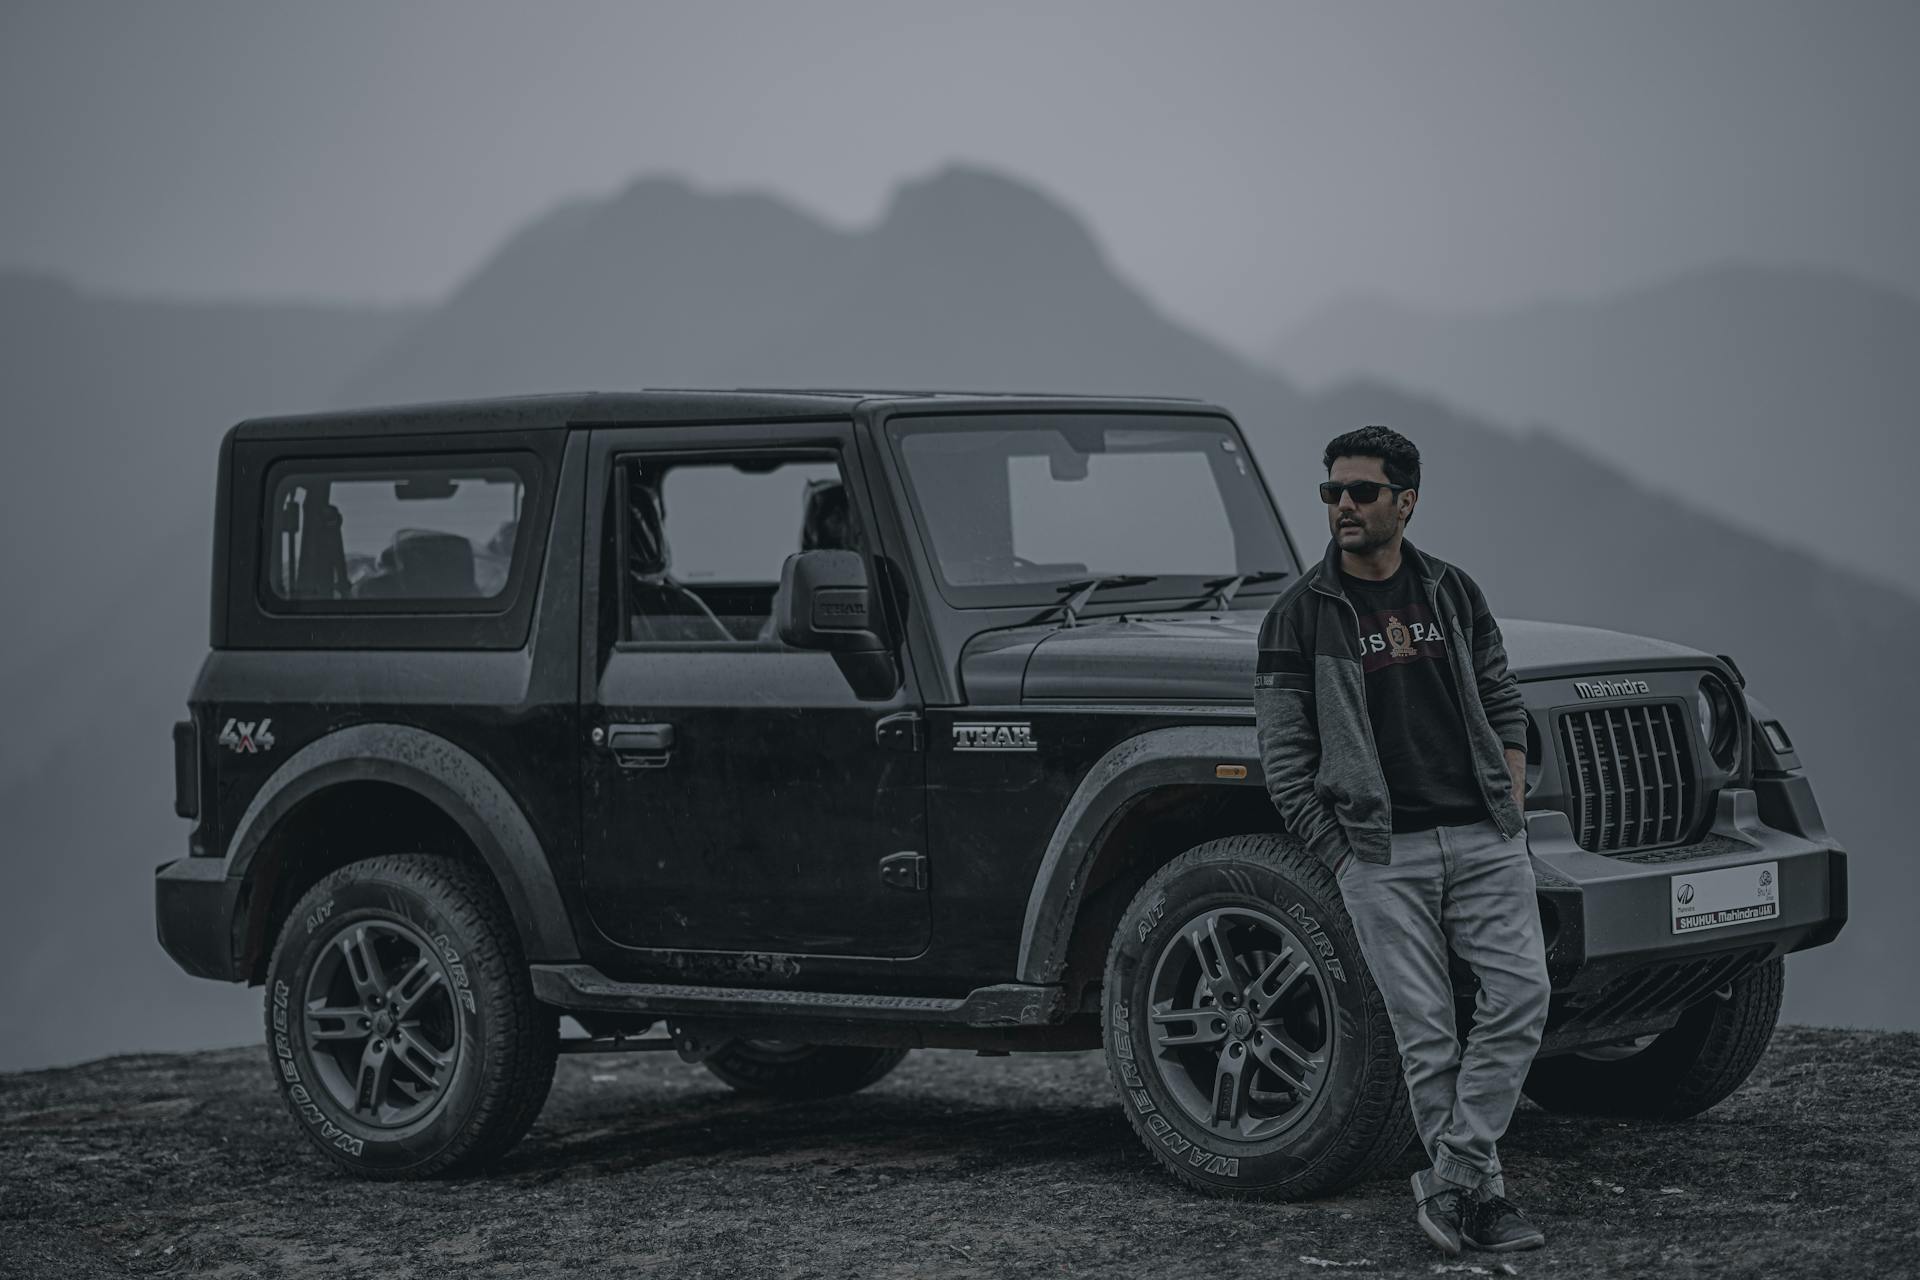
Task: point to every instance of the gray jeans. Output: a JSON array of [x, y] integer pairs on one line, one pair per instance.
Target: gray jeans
[[1472, 887]]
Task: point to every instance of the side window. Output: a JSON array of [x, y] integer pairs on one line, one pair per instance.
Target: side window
[[394, 534], [704, 539]]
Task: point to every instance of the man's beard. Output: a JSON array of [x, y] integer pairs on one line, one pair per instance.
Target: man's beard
[[1369, 539]]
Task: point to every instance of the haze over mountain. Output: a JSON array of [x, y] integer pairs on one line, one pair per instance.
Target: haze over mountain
[[1785, 400], [969, 280], [114, 408], [968, 276]]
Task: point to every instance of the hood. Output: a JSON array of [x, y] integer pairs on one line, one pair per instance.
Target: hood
[[1210, 657]]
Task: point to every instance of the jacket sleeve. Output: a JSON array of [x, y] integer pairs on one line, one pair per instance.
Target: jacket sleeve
[[1500, 695], [1289, 736]]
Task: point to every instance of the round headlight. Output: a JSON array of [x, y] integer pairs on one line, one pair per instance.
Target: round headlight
[[1718, 721]]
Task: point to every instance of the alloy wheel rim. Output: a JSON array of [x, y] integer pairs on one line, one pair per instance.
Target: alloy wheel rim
[[381, 1023], [1240, 1019]]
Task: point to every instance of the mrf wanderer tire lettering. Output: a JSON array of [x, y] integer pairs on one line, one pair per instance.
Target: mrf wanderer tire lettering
[[401, 1025], [1248, 1043]]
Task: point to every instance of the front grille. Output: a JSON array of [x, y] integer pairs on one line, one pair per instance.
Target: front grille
[[1630, 775]]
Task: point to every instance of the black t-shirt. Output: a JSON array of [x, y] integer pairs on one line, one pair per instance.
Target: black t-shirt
[[1413, 705]]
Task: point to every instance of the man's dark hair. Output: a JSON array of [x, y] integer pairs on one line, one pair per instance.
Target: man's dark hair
[[1398, 456]]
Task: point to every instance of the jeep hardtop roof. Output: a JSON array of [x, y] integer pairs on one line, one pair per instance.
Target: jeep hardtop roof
[[658, 406]]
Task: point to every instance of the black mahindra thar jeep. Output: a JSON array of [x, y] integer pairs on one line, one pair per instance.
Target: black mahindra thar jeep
[[793, 730]]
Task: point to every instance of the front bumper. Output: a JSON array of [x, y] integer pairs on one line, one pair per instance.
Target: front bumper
[[1617, 966], [196, 907]]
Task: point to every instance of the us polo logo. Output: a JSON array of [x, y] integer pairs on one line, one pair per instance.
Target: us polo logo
[[999, 735], [246, 738], [1610, 688], [1401, 637]]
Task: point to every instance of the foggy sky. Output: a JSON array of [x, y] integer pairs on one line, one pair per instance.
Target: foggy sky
[[1245, 163]]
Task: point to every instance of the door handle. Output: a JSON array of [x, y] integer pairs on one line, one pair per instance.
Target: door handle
[[640, 746]]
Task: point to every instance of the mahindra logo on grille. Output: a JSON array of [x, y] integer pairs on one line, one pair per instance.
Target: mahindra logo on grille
[[1610, 688], [1011, 735]]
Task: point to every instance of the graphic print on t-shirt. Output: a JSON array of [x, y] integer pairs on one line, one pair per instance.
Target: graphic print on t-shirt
[[1407, 633], [1413, 705]]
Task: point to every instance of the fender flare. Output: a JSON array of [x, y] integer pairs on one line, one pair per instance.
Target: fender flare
[[443, 775], [1179, 754]]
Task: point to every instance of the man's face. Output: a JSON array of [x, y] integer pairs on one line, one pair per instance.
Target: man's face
[[1363, 529]]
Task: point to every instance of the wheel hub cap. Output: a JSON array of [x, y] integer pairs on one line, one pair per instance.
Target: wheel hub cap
[[381, 1022], [1241, 1023]]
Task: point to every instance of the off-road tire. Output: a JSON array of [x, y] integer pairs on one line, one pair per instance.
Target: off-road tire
[[800, 1070], [1361, 1122], [1686, 1069], [503, 1063]]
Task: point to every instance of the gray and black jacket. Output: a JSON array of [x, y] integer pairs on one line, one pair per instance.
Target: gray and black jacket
[[1310, 705]]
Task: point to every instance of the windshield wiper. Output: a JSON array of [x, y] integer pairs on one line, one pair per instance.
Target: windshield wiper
[[1220, 592], [1082, 591]]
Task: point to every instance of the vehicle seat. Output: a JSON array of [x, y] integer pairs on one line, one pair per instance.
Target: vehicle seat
[[658, 607], [493, 561], [422, 564], [322, 572], [826, 524]]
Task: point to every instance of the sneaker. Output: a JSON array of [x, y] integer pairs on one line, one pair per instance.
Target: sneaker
[[1439, 1213], [1496, 1226]]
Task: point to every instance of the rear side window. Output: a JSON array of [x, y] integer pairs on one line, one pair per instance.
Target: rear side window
[[391, 535]]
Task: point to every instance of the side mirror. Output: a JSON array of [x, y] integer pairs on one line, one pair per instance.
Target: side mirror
[[825, 602]]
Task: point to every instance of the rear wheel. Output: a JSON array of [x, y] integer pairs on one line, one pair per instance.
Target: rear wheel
[[1249, 1045], [401, 1023], [1680, 1072], [790, 1069]]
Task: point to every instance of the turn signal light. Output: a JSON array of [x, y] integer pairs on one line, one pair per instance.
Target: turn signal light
[[1229, 771]]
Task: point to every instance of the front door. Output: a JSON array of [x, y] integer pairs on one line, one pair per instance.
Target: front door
[[738, 794]]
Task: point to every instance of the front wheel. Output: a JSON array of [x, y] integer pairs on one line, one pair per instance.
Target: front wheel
[[789, 1069], [401, 1022], [1245, 1035], [1682, 1071]]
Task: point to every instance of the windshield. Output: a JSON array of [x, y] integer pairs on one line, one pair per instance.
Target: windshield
[[1014, 507]]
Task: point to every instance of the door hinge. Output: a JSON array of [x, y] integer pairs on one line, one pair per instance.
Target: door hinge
[[900, 731], [904, 871]]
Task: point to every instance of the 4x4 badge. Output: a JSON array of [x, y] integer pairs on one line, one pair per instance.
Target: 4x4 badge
[[246, 738], [997, 735]]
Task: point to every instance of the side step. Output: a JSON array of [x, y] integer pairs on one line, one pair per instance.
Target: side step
[[582, 986]]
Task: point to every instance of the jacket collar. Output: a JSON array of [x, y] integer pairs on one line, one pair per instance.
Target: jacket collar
[[1328, 579], [1429, 570]]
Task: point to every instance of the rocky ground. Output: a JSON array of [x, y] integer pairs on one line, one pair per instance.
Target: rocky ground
[[955, 1165]]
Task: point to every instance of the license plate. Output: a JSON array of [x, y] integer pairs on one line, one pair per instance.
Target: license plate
[[1727, 896]]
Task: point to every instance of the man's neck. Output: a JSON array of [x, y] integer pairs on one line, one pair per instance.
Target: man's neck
[[1377, 565]]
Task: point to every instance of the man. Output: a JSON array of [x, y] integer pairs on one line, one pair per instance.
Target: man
[[1394, 743]]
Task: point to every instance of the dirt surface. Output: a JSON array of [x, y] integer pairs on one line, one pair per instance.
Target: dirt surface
[[954, 1165]]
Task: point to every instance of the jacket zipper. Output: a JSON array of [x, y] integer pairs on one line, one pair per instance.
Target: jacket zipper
[[1492, 808]]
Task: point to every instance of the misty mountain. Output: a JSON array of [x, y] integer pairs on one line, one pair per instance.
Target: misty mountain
[[1784, 400], [967, 279]]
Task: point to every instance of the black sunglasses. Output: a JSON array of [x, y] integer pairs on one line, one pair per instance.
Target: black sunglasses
[[1363, 491]]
